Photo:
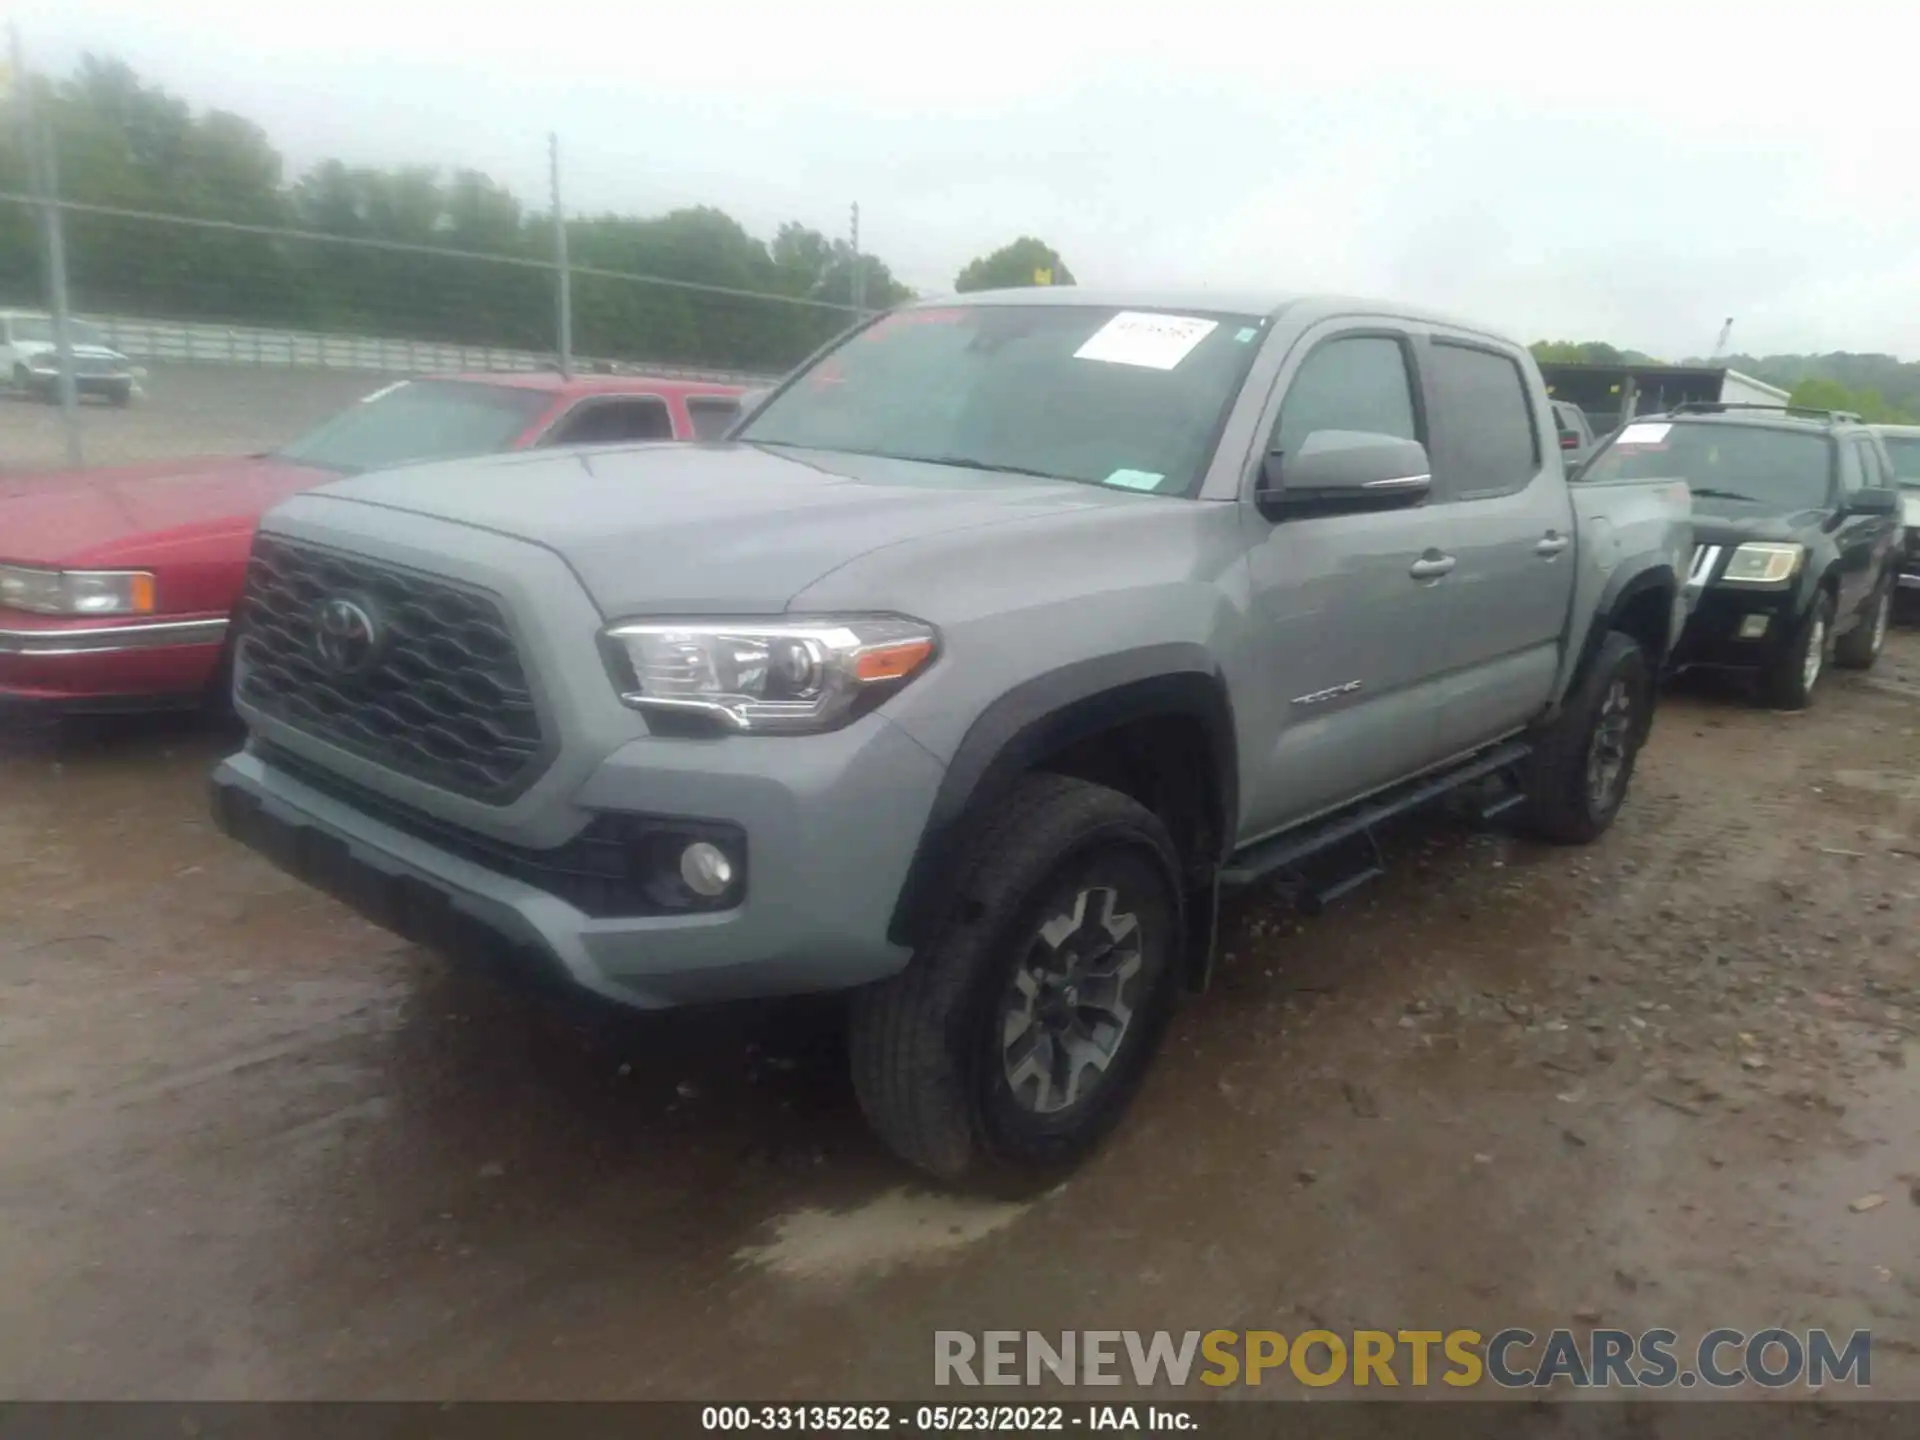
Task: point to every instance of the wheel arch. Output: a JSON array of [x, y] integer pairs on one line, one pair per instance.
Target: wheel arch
[[1637, 602], [1065, 719]]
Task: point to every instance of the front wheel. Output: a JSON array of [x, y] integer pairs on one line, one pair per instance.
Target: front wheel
[[1582, 765], [1861, 646], [1013, 1042], [1788, 683]]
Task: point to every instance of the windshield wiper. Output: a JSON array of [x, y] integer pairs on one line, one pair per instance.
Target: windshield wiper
[[962, 462], [958, 462], [1707, 492]]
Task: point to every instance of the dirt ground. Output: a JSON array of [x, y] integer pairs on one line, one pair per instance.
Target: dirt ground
[[254, 1147]]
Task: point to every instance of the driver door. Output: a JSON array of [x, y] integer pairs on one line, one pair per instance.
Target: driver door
[[1347, 608]]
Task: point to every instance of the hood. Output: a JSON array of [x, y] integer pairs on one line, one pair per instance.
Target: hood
[[64, 518], [1712, 527], [720, 529]]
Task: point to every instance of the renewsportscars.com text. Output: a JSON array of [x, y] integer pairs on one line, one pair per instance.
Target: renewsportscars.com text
[[1512, 1358]]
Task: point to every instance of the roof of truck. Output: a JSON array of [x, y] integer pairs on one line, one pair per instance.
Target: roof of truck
[[1270, 303]]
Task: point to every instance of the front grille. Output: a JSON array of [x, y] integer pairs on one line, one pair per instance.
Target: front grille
[[613, 868], [439, 695]]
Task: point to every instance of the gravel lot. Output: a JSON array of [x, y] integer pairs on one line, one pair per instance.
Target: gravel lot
[[254, 1147]]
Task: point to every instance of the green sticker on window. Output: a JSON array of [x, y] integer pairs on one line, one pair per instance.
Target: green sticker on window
[[1135, 479], [1247, 333]]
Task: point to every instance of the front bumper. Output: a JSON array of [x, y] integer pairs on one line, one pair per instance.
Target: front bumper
[[1714, 635], [831, 823], [1909, 576], [58, 666]]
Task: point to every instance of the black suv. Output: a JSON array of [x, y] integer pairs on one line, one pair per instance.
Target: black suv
[[1796, 527]]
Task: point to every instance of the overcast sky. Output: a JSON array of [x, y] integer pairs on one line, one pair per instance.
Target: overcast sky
[[1629, 172]]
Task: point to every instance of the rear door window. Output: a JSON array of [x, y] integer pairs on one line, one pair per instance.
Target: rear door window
[[609, 422], [1482, 420], [711, 415]]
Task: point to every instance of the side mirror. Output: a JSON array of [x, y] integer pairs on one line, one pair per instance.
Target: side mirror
[[1877, 500], [1338, 472]]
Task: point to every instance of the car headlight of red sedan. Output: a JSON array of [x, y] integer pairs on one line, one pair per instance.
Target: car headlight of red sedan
[[76, 592]]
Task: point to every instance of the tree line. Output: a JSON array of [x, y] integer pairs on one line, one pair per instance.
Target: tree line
[[123, 143]]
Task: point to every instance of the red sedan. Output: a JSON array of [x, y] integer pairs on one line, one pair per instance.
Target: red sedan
[[116, 585]]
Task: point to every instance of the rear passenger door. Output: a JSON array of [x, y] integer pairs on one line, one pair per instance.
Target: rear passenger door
[[1508, 523], [1861, 538], [1344, 615]]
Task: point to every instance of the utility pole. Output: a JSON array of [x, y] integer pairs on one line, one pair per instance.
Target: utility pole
[[43, 180], [563, 279], [1726, 335], [859, 271]]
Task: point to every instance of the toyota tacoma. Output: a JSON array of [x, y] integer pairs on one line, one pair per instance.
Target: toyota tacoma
[[993, 644]]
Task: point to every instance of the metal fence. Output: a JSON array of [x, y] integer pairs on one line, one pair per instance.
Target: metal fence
[[193, 343]]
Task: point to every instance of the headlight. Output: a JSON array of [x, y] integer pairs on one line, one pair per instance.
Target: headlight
[[1762, 564], [76, 592], [782, 677]]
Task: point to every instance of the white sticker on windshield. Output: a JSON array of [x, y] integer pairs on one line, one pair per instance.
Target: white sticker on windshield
[[1135, 479], [383, 392], [1643, 435], [1133, 337]]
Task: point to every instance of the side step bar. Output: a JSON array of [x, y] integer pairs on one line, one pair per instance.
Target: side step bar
[[1284, 851]]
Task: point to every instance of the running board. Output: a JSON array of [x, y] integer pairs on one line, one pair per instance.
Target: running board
[[1284, 851]]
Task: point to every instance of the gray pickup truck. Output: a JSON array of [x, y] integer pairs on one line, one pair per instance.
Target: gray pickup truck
[[993, 644]]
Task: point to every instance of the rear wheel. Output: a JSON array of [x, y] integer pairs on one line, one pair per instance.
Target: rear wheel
[[1788, 683], [1582, 765], [1861, 646], [1013, 1042]]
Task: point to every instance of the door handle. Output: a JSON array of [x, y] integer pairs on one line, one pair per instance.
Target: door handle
[[1551, 545], [1432, 567]]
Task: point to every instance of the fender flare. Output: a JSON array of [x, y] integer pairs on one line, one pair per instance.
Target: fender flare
[[1623, 586], [1042, 716]]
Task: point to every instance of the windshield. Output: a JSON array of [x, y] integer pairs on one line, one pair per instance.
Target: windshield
[[419, 420], [1735, 464], [1905, 450], [1133, 399], [38, 330]]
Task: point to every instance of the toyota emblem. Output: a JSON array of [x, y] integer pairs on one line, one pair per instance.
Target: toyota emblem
[[345, 636]]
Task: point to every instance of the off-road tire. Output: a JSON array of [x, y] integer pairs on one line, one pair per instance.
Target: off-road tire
[[1789, 682], [927, 1067], [1861, 646], [1562, 802]]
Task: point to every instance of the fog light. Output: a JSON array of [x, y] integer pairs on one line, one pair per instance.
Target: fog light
[[706, 869], [1752, 627]]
